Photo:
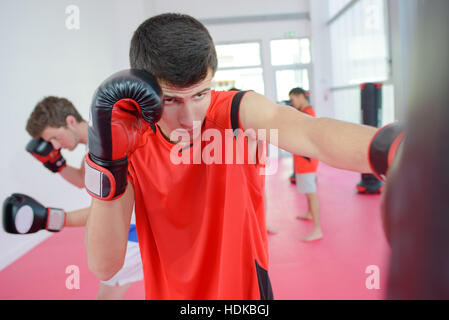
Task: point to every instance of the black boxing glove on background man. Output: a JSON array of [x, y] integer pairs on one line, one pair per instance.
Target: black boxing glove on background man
[[123, 108], [22, 214]]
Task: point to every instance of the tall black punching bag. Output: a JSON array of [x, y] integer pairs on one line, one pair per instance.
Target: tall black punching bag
[[371, 102], [416, 198]]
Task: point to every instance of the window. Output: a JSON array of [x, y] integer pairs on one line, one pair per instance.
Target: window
[[290, 59], [242, 79], [359, 44], [289, 79], [360, 53], [348, 105], [239, 66], [290, 51], [336, 5]]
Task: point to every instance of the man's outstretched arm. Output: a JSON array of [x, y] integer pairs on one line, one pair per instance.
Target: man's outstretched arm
[[337, 143]]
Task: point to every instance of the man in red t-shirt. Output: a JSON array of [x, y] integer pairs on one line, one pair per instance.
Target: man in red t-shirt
[[305, 170], [159, 137]]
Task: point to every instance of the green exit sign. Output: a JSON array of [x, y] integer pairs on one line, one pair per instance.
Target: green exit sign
[[289, 34]]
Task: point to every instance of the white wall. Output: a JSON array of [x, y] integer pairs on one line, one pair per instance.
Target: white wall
[[202, 9], [39, 56]]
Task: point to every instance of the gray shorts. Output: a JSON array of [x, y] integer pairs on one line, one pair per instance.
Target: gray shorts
[[306, 182]]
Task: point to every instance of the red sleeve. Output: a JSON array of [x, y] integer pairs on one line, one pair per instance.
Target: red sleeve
[[309, 111], [220, 108]]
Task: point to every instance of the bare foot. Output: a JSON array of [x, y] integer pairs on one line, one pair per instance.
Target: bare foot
[[306, 216], [316, 234]]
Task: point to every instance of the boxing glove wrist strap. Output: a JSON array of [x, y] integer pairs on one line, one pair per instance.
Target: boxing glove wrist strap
[[55, 219], [55, 166], [383, 148], [105, 180]]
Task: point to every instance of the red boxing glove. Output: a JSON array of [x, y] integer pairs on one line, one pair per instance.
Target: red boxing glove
[[383, 148], [45, 153], [123, 108]]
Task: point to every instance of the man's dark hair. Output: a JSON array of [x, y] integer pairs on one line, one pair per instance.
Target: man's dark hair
[[175, 48], [51, 111], [297, 91]]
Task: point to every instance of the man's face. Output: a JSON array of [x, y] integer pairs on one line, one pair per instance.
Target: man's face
[[296, 101], [61, 138], [184, 106]]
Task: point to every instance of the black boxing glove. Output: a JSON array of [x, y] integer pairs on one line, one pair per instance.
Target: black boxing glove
[[383, 148], [122, 110], [22, 214], [45, 153]]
